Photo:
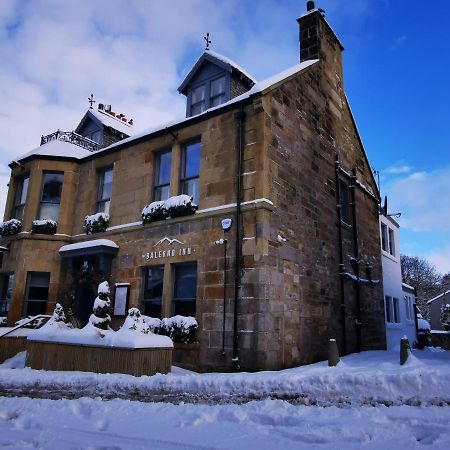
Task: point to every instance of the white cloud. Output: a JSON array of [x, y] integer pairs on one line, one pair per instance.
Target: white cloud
[[397, 170], [131, 54], [441, 259], [423, 200]]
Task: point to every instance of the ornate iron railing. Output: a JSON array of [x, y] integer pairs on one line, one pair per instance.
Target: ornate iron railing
[[73, 138]]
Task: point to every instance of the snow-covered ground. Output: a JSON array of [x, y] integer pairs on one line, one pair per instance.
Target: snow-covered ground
[[366, 403]]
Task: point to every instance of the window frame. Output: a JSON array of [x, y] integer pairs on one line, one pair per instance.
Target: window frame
[[208, 101], [151, 301], [174, 299], [42, 202], [182, 178], [392, 310], [27, 299], [157, 187], [20, 206], [6, 289], [388, 244], [100, 188]]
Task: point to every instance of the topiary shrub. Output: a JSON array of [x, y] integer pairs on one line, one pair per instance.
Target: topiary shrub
[[153, 212], [10, 227], [96, 223], [100, 317], [45, 226]]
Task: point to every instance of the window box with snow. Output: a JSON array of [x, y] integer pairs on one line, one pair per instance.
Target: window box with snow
[[153, 212], [44, 226], [96, 223], [181, 205], [178, 206], [10, 227]]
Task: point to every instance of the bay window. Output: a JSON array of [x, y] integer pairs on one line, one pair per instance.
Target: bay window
[[51, 195]]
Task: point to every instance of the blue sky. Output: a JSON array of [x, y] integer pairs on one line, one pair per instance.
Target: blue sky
[[133, 54]]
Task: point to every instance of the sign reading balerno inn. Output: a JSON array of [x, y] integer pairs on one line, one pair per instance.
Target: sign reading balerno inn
[[281, 158], [168, 253]]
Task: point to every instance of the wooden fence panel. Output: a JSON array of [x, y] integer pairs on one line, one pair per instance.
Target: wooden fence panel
[[88, 358], [10, 346]]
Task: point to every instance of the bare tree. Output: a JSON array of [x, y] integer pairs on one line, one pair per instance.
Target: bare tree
[[421, 274]]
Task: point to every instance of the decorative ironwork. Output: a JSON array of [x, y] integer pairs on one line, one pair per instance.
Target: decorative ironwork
[[206, 38], [73, 138], [91, 100]]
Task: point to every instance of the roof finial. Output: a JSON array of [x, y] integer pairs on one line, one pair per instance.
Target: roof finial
[[206, 38], [91, 100]]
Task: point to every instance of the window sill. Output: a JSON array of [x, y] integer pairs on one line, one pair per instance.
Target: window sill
[[394, 325]]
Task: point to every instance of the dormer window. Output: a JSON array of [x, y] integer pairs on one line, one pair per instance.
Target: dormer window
[[207, 95], [96, 136], [213, 81], [198, 100], [217, 92]]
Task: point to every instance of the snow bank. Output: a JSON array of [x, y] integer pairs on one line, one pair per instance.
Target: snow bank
[[367, 378], [90, 335]]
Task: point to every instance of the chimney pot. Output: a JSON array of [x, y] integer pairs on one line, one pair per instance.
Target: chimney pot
[[310, 6]]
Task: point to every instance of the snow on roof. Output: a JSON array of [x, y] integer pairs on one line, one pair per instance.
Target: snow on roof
[[259, 87], [438, 296], [58, 148], [407, 286], [112, 122], [230, 62], [88, 244]]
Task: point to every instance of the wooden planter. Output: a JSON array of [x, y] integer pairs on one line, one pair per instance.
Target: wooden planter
[[11, 345], [90, 358]]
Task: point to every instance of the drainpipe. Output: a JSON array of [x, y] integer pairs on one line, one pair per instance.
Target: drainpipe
[[416, 310], [356, 256], [224, 242], [240, 117], [341, 256]]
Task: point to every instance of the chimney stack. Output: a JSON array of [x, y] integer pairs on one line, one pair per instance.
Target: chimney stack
[[317, 39]]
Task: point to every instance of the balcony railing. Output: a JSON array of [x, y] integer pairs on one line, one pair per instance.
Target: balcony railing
[[73, 138]]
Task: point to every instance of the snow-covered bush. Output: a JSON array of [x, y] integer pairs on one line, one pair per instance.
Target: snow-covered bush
[[445, 316], [153, 212], [45, 226], [179, 328], [35, 324], [181, 205], [10, 227], [100, 317], [423, 332], [3, 321], [135, 321], [57, 320], [96, 223]]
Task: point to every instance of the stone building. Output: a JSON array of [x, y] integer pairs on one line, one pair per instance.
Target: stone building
[[281, 158]]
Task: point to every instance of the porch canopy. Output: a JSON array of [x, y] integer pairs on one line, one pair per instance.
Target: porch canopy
[[98, 247]]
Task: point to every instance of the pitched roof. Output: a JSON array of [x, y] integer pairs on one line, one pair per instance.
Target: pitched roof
[[106, 120], [57, 149], [438, 296], [258, 88], [216, 58]]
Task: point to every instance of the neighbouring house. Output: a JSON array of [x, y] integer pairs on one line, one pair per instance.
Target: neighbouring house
[[257, 214], [435, 308], [399, 298]]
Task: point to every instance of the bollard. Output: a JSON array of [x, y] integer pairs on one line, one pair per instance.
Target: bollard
[[405, 350], [333, 353]]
